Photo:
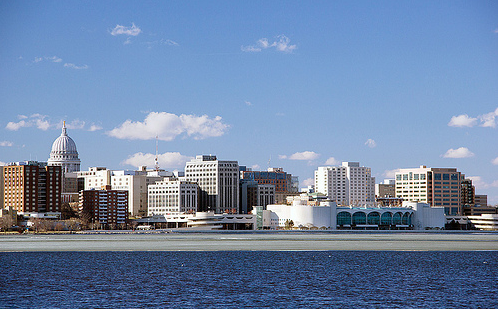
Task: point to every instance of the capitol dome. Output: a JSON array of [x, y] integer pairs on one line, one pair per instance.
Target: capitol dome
[[64, 153]]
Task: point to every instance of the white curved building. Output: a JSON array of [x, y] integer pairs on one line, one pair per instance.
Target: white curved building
[[64, 153]]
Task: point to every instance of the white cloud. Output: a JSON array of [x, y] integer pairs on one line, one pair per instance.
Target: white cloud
[[302, 156], [6, 144], [495, 161], [371, 143], [94, 127], [308, 182], [478, 182], [462, 121], [168, 126], [38, 59], [170, 42], [3, 163], [133, 30], [390, 173], [281, 43], [489, 119], [459, 153], [128, 41], [248, 103], [54, 59], [74, 66], [255, 167], [35, 120], [332, 161], [165, 160], [74, 125]]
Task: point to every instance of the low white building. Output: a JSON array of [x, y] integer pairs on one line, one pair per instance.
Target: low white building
[[172, 197], [485, 221], [327, 215]]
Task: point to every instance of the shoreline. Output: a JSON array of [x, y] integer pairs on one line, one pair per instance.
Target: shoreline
[[255, 241]]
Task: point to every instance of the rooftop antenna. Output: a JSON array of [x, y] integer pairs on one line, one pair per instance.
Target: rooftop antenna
[[156, 166], [269, 163]]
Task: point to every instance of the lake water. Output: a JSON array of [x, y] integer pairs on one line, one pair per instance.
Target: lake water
[[265, 270], [234, 279]]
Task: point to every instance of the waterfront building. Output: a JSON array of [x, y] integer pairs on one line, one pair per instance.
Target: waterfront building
[[172, 197], [467, 192], [327, 215], [32, 186], [386, 189], [348, 184], [135, 182], [218, 182], [439, 187], [107, 207], [285, 184], [64, 153], [481, 200], [200, 220], [485, 222], [252, 194]]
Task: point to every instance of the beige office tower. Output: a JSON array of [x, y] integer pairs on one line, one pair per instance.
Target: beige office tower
[[218, 183], [439, 187]]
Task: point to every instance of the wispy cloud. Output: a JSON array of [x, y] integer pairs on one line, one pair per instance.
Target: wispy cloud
[[301, 156], [131, 31], [478, 182], [43, 122], [332, 161], [45, 58], [390, 173], [459, 153], [281, 44], [35, 120], [308, 182], [6, 144], [169, 126], [255, 167], [486, 120], [371, 143], [94, 127], [495, 161], [165, 160], [76, 67], [151, 44], [248, 103]]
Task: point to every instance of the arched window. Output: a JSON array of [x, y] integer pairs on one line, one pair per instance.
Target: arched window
[[386, 218], [373, 218], [359, 217], [397, 218], [344, 218], [406, 218]]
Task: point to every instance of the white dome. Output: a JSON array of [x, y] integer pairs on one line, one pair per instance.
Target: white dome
[[64, 144], [64, 153]]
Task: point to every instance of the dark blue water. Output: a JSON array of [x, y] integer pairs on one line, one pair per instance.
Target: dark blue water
[[337, 279]]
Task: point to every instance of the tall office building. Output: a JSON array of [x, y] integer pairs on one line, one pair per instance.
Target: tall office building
[[285, 184], [32, 186], [468, 192], [348, 184], [218, 182], [252, 194], [439, 187], [64, 153], [172, 197]]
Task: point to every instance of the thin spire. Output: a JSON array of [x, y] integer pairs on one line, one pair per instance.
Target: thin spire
[[156, 167], [64, 131]]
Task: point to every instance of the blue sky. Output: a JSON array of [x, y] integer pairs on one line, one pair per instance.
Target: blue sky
[[391, 84]]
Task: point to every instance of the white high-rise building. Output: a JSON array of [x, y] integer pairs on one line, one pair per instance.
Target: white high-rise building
[[349, 184], [172, 197], [135, 182], [218, 182]]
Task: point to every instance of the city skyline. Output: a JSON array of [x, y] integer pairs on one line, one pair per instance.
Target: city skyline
[[279, 84]]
